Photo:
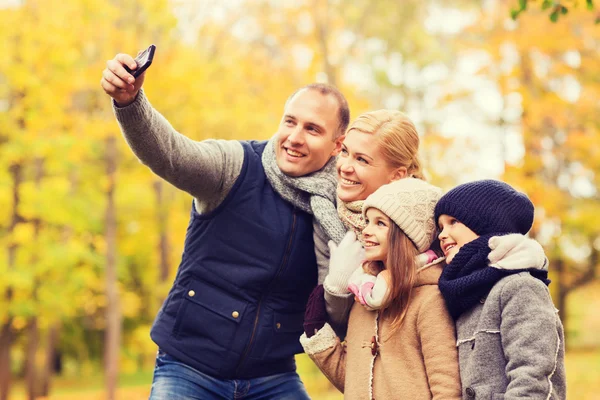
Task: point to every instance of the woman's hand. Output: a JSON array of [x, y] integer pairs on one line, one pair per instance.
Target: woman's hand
[[344, 259]]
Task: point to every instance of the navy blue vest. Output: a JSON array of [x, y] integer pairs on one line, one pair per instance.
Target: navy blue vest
[[236, 308]]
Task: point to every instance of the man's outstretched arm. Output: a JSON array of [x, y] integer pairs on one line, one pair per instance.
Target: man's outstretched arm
[[207, 170]]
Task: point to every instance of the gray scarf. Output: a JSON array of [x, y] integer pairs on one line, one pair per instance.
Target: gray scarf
[[313, 193]]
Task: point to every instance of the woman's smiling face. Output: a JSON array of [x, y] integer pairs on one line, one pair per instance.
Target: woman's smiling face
[[361, 167]]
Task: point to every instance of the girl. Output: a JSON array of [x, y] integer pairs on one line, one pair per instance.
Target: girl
[[405, 346], [510, 339]]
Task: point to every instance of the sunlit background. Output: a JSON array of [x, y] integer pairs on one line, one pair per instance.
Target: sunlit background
[[90, 239]]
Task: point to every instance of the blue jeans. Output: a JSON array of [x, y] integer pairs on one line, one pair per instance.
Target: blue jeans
[[174, 380]]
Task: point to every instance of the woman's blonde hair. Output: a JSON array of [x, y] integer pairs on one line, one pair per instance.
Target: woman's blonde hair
[[396, 135]]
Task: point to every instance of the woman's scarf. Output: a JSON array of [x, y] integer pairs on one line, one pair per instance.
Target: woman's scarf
[[352, 217]]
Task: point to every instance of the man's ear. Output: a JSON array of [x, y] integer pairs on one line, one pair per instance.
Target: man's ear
[[338, 145], [400, 173]]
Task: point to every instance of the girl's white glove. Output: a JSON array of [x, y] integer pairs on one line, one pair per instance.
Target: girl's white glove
[[344, 259]]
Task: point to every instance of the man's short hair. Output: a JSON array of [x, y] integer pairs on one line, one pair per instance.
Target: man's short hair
[[343, 109]]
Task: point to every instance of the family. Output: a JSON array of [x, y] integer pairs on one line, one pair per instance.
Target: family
[[327, 239]]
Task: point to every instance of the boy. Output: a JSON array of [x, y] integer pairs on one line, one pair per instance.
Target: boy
[[510, 339]]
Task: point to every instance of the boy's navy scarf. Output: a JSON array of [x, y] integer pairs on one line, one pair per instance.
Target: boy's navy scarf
[[469, 278]]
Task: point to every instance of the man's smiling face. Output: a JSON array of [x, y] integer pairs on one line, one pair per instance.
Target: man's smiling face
[[306, 136]]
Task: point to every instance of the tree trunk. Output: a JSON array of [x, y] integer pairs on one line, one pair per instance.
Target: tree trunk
[[561, 295], [322, 23], [583, 279], [52, 360], [30, 364], [6, 332], [163, 241], [32, 327], [113, 312], [50, 366], [6, 338]]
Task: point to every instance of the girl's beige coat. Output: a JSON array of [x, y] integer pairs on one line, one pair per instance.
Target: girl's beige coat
[[419, 361]]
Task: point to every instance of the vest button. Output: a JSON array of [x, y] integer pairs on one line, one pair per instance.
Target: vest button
[[235, 314], [278, 325], [470, 393], [191, 293]]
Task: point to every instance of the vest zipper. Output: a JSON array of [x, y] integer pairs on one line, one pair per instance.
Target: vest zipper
[[283, 262]]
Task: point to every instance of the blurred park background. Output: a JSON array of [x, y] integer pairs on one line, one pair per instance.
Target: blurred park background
[[90, 240]]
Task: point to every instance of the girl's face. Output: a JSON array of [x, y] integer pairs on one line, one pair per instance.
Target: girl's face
[[361, 167], [453, 235], [376, 235]]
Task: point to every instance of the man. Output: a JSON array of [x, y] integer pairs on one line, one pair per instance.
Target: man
[[231, 323]]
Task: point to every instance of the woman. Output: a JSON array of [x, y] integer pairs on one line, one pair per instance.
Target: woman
[[380, 147]]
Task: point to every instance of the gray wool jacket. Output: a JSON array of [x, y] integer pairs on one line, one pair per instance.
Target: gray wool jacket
[[511, 344]]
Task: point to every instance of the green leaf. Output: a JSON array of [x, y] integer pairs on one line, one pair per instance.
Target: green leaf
[[522, 5], [546, 4], [554, 15], [564, 10], [590, 4], [514, 13]]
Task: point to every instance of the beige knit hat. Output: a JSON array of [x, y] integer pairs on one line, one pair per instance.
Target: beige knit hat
[[410, 203]]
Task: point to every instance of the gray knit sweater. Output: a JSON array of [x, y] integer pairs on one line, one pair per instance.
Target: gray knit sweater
[[206, 170]]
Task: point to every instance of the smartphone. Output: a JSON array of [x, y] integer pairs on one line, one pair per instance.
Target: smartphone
[[143, 61]]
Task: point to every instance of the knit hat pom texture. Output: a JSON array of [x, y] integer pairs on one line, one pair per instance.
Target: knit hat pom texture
[[488, 207], [410, 203]]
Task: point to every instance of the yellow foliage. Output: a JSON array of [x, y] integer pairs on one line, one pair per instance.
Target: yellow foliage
[[223, 86], [99, 243], [22, 233], [130, 304], [19, 323]]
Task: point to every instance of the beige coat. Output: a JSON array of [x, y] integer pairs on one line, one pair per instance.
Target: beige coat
[[419, 362]]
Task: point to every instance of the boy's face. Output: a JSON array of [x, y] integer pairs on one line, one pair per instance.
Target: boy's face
[[376, 235], [453, 235]]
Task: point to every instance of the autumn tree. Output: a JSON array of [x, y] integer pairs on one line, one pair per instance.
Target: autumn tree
[[549, 70], [555, 9]]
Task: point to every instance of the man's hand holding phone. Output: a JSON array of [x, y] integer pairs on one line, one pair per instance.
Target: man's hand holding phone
[[120, 79]]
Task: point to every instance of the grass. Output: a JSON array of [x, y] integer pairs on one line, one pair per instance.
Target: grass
[[583, 382], [131, 387], [583, 374]]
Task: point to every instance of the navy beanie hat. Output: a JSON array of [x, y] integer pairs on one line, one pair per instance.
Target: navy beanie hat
[[488, 206]]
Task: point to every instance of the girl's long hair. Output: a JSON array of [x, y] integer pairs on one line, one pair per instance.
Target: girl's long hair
[[403, 272]]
